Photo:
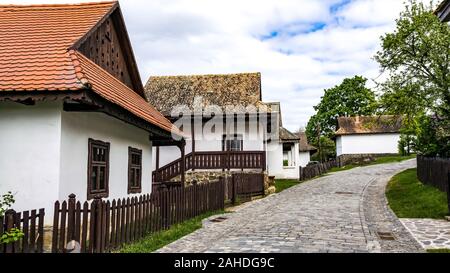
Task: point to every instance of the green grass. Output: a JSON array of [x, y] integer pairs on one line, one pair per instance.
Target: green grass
[[284, 184], [378, 160], [409, 198], [158, 240], [442, 250]]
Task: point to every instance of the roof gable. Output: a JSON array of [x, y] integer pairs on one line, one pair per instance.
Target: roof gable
[[167, 92], [36, 56], [369, 125], [109, 46], [35, 42]]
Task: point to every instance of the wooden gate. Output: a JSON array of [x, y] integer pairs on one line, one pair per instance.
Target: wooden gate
[[246, 185]]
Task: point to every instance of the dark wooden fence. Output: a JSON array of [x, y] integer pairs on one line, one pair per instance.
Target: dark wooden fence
[[102, 226], [31, 223], [244, 186], [435, 172], [316, 170], [212, 161]]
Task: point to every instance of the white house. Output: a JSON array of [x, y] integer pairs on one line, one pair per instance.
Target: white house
[[306, 150], [371, 135], [73, 115], [289, 152], [226, 123]]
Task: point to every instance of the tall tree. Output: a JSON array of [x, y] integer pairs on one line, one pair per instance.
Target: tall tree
[[350, 98], [416, 57]]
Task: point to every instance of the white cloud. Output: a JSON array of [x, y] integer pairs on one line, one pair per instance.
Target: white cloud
[[204, 36]]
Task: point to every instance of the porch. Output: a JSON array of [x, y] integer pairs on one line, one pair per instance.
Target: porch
[[223, 160]]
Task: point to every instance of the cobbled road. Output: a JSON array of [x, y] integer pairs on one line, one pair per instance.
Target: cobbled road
[[342, 212]]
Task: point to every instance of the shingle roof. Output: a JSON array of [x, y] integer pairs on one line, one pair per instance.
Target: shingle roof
[[36, 55], [369, 125], [286, 135], [166, 92], [304, 145]]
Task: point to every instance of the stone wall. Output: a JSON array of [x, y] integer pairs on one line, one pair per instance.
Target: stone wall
[[359, 159], [202, 177]]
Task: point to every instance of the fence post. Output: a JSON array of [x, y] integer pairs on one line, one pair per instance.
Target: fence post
[[10, 216], [448, 192], [96, 217], [71, 218], [234, 189]]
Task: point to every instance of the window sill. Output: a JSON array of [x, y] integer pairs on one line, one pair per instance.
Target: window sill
[[289, 168], [134, 191], [92, 196]]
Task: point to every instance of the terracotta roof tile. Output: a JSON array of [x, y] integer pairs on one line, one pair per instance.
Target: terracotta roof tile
[[35, 42], [110, 88], [35, 55]]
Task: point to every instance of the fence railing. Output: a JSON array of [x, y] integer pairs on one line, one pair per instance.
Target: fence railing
[[102, 226], [316, 170], [31, 223], [212, 161], [435, 172]]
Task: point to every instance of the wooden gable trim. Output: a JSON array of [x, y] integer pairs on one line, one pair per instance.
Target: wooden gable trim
[[95, 103], [92, 30], [124, 41], [86, 101]]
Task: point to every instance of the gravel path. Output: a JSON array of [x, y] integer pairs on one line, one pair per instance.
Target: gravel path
[[341, 212]]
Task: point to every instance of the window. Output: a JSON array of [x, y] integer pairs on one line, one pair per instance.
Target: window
[[234, 143], [134, 170], [98, 169], [288, 155]]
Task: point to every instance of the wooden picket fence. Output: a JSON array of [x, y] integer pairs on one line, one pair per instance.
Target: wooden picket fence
[[316, 170], [31, 223], [101, 226], [435, 172]]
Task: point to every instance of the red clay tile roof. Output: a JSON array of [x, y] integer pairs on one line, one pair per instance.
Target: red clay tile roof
[[110, 88], [36, 55]]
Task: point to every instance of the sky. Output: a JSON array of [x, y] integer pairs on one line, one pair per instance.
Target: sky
[[301, 47]]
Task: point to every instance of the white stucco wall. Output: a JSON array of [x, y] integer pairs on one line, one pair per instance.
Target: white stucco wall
[[44, 154], [368, 144], [275, 162], [252, 141], [77, 128], [305, 158], [30, 142]]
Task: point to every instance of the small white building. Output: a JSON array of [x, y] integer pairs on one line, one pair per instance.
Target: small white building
[[73, 115], [289, 152], [306, 150], [371, 135]]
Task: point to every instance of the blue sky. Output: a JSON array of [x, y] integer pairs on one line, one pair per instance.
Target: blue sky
[[301, 47]]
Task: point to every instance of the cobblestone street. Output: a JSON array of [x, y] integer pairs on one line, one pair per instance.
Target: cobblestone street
[[341, 212]]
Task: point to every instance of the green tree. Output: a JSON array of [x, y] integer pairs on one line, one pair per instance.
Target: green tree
[[416, 58], [350, 98]]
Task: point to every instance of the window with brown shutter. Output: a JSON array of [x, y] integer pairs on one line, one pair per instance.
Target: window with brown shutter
[[98, 169], [134, 170]]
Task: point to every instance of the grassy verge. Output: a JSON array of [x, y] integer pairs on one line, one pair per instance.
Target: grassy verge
[[284, 184], [378, 160], [443, 250], [409, 198], [158, 240]]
